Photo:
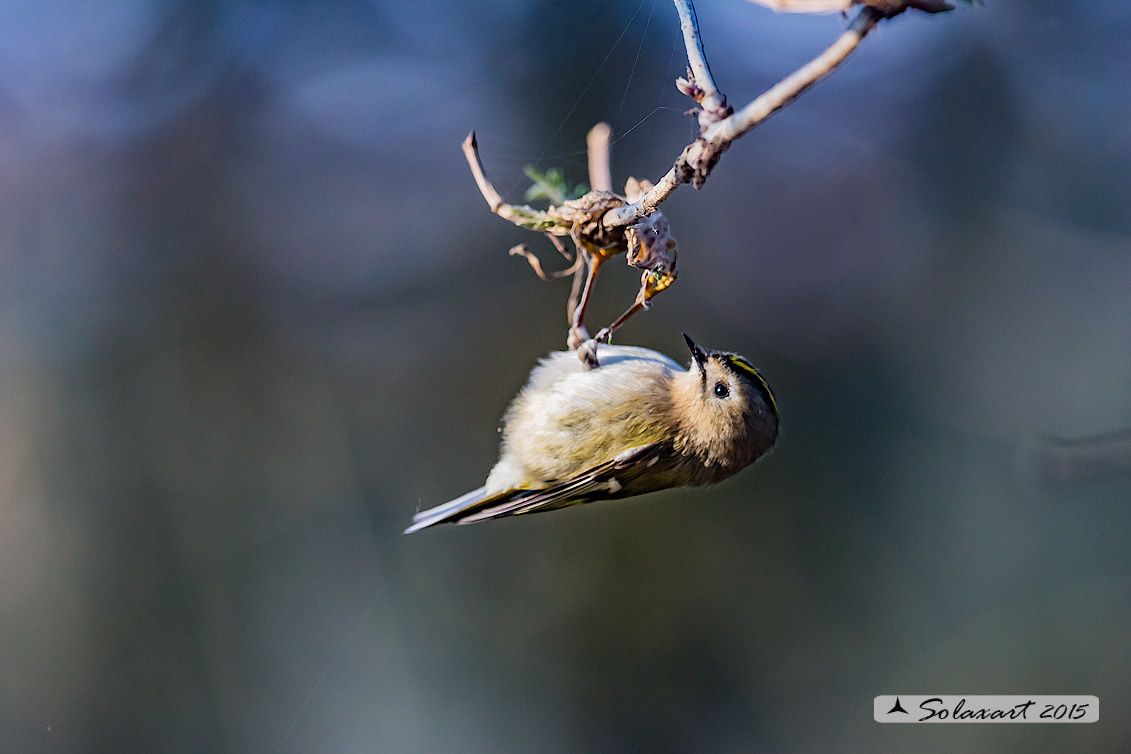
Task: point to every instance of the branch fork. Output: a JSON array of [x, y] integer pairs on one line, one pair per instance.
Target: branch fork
[[603, 224], [719, 125]]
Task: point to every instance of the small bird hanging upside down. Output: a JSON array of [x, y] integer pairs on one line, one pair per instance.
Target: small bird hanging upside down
[[638, 423]]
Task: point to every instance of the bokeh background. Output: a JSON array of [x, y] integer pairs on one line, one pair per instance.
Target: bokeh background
[[254, 313]]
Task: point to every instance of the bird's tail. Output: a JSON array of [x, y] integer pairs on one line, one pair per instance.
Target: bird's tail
[[455, 510]]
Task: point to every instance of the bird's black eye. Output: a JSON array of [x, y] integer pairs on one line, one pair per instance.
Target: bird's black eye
[[721, 390]]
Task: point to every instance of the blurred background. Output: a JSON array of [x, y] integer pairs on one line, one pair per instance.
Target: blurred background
[[254, 313]]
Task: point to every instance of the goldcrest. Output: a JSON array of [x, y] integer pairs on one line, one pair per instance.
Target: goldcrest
[[637, 423]]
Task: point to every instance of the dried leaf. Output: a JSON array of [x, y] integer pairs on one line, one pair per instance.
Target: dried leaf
[[651, 245]]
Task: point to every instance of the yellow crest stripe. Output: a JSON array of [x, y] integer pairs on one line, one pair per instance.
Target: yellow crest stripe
[[740, 364]]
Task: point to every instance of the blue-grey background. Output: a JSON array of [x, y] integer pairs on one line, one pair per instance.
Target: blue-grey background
[[254, 313]]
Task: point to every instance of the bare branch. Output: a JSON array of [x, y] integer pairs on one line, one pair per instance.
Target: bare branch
[[792, 86], [600, 171], [699, 85], [699, 158], [646, 205], [471, 152], [602, 224], [519, 214], [889, 8]]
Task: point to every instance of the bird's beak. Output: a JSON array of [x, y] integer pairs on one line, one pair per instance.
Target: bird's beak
[[697, 353]]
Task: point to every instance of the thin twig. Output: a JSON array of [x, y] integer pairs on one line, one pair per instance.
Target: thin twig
[[519, 214], [792, 86], [646, 205], [701, 87], [522, 250], [471, 152], [600, 171], [557, 242], [699, 157]]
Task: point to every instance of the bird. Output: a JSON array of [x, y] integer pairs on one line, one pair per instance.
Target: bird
[[639, 422]]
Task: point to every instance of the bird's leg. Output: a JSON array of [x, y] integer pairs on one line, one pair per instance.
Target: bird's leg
[[606, 333], [651, 283], [579, 275], [578, 335]]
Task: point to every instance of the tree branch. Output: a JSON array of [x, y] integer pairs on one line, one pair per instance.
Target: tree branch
[[699, 85], [699, 158], [603, 224], [793, 85]]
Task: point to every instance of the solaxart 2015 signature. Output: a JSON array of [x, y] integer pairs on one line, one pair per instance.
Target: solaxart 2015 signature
[[935, 707], [954, 708]]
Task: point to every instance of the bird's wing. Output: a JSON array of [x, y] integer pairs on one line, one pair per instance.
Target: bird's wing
[[615, 478]]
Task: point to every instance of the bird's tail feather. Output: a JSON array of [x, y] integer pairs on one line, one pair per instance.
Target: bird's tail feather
[[455, 510]]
